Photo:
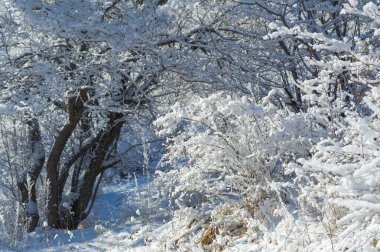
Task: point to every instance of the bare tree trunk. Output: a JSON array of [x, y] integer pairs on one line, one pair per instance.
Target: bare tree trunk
[[75, 109], [84, 189], [27, 185]]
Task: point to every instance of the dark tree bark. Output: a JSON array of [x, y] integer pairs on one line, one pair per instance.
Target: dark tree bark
[[84, 188], [75, 109], [27, 185]]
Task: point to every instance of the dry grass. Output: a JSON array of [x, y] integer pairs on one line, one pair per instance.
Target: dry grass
[[208, 236]]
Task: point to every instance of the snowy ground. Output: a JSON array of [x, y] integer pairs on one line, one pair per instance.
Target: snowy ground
[[129, 215], [123, 219]]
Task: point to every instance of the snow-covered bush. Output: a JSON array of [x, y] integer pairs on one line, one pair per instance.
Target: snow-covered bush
[[343, 181], [224, 148], [339, 186], [228, 145], [214, 230]]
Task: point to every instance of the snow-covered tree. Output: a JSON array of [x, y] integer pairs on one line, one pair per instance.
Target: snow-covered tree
[[342, 175], [322, 57], [74, 73]]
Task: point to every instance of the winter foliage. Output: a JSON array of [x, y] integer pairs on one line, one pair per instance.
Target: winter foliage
[[203, 125]]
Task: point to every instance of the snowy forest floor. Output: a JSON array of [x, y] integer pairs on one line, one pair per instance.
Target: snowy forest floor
[[131, 215], [124, 218]]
